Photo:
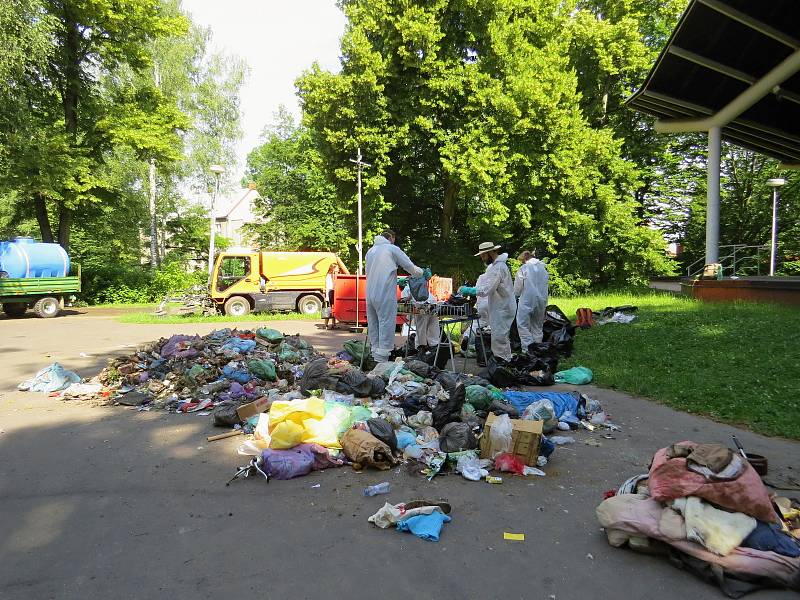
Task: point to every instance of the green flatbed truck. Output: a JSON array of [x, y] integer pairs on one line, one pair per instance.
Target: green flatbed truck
[[45, 295]]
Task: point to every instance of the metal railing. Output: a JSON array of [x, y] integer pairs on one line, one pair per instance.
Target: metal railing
[[736, 259]]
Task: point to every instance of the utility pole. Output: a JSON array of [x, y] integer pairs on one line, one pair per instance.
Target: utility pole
[[361, 164], [217, 170], [360, 246]]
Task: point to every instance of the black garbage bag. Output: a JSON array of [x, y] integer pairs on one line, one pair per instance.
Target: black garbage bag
[[483, 348], [500, 376], [558, 330], [456, 437], [360, 385], [499, 407], [382, 430], [317, 377], [413, 403], [225, 414], [419, 368], [521, 371], [449, 410], [469, 380]]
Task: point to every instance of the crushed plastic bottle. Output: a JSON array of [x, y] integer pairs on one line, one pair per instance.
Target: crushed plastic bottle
[[374, 490]]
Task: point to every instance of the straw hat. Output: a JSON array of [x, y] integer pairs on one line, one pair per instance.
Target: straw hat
[[486, 247]]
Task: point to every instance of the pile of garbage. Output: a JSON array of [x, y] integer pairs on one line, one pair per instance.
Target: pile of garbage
[[409, 411], [303, 411], [213, 374], [706, 509]]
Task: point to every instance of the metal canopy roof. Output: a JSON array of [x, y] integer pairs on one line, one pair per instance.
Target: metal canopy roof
[[720, 50]]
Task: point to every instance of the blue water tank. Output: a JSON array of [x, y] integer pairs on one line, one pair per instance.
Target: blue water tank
[[25, 258]]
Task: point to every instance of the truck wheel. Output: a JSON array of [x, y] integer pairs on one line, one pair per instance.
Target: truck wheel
[[14, 310], [309, 305], [237, 306], [47, 307]]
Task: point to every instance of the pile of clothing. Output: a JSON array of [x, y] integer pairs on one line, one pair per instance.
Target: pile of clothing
[[706, 509]]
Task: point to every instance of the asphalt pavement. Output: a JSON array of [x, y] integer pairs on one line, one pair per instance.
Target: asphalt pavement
[[107, 502]]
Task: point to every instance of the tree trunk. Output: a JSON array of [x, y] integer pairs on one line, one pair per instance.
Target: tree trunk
[[64, 224], [40, 206], [69, 96], [448, 208], [154, 259]]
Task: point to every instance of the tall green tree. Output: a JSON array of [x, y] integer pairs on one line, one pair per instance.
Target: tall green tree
[[470, 113], [56, 155], [299, 208]]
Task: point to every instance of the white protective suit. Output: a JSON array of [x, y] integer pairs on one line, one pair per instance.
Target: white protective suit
[[495, 285], [382, 262], [426, 326], [531, 287]]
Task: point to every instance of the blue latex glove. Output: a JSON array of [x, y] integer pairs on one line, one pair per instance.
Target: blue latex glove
[[468, 291], [427, 273]]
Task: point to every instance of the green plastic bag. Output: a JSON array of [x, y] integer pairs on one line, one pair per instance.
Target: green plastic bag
[[479, 396], [288, 354], [575, 376], [263, 369], [195, 371], [355, 349], [497, 393], [273, 336]]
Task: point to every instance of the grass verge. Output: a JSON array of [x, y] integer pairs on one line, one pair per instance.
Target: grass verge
[[734, 362]]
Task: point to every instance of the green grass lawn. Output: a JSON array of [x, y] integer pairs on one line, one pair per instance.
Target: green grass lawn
[[734, 362], [148, 318]]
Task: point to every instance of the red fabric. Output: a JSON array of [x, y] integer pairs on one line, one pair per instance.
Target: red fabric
[[670, 479]]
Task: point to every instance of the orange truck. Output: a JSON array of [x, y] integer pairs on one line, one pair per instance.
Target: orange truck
[[251, 281]]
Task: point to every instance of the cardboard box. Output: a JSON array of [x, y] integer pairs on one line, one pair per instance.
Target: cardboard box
[[525, 439], [245, 411]]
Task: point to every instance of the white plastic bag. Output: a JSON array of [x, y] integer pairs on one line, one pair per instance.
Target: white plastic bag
[[470, 467], [500, 435], [542, 410]]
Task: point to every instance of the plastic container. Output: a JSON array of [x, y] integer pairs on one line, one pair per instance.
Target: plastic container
[[374, 490], [345, 295], [25, 258]]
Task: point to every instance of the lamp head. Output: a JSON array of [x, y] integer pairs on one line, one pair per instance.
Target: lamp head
[[775, 183]]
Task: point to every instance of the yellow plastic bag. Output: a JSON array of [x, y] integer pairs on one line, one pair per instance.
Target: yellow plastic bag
[[322, 432], [296, 411], [286, 435]]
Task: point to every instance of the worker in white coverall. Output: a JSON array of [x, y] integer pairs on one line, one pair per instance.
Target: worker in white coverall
[[496, 286], [530, 286], [382, 262]]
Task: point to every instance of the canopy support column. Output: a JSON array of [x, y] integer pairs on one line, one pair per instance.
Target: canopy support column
[[712, 195]]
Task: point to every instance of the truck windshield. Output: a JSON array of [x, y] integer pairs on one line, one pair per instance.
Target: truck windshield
[[232, 269]]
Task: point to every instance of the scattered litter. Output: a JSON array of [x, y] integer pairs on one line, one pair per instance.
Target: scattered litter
[[315, 486], [514, 537], [560, 440]]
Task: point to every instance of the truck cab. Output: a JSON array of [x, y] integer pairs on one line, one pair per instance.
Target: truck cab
[[245, 281]]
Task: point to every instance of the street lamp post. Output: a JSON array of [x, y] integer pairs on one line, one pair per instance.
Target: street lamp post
[[775, 184], [217, 170]]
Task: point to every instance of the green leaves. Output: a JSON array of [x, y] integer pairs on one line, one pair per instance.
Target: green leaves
[[471, 114]]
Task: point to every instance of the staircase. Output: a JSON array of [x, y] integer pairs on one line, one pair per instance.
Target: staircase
[[740, 260]]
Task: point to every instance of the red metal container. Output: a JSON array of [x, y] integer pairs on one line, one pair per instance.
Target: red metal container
[[344, 299]]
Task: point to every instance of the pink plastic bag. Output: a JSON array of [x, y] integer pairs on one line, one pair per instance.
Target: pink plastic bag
[[509, 463]]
